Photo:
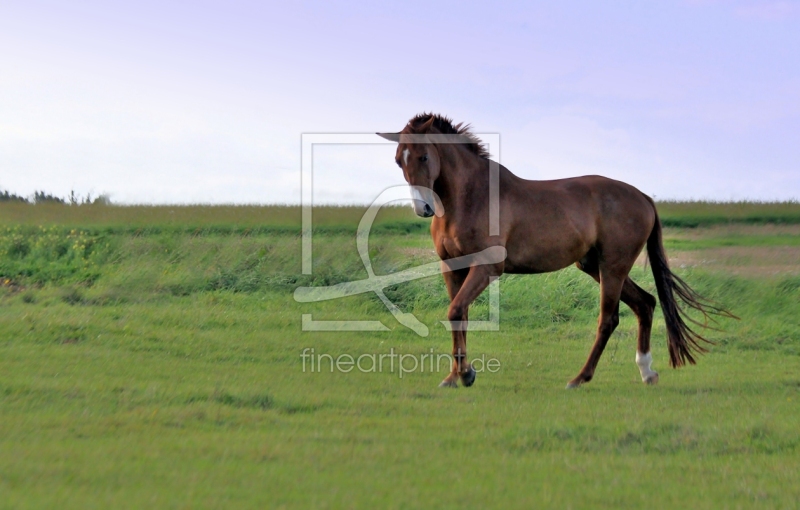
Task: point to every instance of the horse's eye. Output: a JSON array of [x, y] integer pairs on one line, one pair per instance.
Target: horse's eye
[[424, 158]]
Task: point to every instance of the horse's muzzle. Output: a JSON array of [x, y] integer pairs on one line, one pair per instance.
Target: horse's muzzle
[[427, 211], [422, 202]]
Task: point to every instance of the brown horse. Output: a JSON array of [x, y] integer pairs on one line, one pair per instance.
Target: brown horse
[[599, 224]]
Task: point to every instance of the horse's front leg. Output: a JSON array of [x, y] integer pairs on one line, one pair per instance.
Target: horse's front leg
[[453, 280], [463, 287]]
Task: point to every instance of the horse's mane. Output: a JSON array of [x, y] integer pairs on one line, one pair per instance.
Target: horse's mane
[[445, 126]]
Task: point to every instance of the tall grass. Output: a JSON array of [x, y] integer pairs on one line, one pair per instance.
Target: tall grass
[[196, 248], [113, 268], [243, 217]]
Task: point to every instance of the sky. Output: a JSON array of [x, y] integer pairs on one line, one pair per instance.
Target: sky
[[187, 102]]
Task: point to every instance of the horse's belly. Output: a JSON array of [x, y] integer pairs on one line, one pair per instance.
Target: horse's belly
[[542, 259], [533, 267]]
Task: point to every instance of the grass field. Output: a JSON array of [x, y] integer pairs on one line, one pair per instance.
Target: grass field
[[151, 356]]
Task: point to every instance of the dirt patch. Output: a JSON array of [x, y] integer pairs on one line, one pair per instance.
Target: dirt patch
[[758, 261], [731, 230]]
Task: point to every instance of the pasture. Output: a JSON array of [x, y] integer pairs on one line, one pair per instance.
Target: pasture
[[151, 356]]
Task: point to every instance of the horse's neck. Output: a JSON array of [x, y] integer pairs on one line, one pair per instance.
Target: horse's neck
[[463, 181]]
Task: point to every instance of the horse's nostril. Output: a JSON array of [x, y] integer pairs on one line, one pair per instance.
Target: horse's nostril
[[428, 210]]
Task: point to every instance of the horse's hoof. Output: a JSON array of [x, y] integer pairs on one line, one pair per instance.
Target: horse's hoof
[[468, 377], [652, 379], [448, 383], [573, 384]]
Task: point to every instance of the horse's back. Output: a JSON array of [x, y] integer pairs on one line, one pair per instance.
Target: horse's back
[[562, 220]]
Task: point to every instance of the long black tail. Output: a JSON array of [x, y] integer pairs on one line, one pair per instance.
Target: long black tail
[[681, 339]]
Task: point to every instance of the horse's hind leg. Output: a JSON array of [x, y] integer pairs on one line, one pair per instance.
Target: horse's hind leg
[[643, 304], [611, 285]]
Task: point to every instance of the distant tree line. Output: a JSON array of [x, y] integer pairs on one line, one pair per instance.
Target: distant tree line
[[40, 197]]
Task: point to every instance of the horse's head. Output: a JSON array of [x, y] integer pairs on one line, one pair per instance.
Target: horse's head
[[419, 160]]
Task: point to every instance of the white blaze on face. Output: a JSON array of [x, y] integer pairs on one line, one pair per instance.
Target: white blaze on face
[[406, 152], [644, 361]]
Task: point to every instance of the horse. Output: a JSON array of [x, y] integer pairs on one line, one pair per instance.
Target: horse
[[599, 224]]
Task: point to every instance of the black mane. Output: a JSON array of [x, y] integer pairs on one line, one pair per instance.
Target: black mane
[[445, 126]]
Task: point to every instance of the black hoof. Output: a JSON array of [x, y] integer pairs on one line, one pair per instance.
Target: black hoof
[[578, 381], [468, 377]]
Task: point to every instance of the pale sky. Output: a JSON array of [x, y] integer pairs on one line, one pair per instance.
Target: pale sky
[[177, 102]]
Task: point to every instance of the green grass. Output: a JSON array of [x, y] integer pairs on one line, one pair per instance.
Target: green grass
[[162, 368], [701, 213], [278, 218], [183, 218]]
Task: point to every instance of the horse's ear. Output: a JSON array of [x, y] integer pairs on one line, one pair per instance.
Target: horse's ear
[[394, 137], [426, 128]]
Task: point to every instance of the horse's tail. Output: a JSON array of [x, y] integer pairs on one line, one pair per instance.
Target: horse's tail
[[681, 339]]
